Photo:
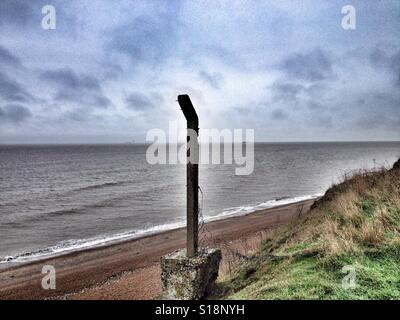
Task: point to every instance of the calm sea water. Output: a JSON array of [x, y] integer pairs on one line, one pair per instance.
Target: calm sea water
[[58, 198]]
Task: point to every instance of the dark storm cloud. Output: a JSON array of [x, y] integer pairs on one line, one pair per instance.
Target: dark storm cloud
[[140, 102], [302, 103], [213, 80], [26, 15], [278, 115], [315, 106], [379, 110], [395, 65], [286, 91], [148, 39], [378, 58], [112, 71], [14, 113], [314, 65], [83, 99], [69, 80], [101, 101], [16, 12], [7, 58], [321, 120], [11, 90], [391, 62], [81, 89], [75, 116]]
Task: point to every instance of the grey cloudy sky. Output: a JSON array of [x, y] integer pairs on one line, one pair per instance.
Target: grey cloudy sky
[[112, 69]]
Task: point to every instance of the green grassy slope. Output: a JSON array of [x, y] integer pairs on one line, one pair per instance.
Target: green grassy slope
[[356, 225]]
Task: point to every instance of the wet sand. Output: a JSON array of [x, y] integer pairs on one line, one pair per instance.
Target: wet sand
[[130, 270]]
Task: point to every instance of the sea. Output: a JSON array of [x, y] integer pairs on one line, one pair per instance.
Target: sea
[[56, 199]]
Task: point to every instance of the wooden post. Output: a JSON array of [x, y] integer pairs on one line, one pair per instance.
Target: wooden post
[[192, 175]]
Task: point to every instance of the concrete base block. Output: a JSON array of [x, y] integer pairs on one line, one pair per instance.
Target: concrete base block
[[184, 278]]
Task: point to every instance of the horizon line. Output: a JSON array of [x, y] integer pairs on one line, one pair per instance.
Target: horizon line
[[181, 142]]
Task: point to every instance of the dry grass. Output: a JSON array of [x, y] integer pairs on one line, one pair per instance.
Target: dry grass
[[357, 213], [356, 223], [236, 252]]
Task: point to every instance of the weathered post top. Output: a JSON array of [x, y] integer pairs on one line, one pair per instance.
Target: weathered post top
[[188, 111], [192, 175]]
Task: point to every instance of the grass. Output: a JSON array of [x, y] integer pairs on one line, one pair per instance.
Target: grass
[[353, 230]]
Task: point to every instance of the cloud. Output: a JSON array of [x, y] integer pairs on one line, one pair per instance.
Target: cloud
[[11, 90], [15, 12], [69, 80], [101, 101], [314, 65], [395, 66], [81, 89], [26, 15], [378, 58], [112, 71], [141, 102], [214, 79], [83, 100], [379, 110], [80, 115], [148, 38], [286, 91], [390, 62], [270, 67], [138, 101], [278, 115], [8, 59], [14, 113]]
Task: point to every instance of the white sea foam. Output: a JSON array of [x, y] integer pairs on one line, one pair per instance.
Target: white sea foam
[[82, 244], [243, 210]]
